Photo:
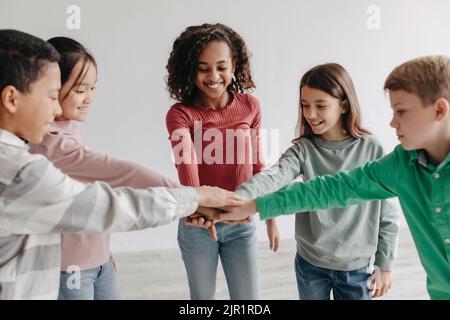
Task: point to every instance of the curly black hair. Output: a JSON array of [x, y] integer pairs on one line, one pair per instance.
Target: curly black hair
[[183, 61]]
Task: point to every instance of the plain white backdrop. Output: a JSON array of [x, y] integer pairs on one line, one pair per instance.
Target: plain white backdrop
[[132, 39]]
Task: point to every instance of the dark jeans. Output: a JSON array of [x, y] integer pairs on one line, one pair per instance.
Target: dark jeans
[[315, 283]]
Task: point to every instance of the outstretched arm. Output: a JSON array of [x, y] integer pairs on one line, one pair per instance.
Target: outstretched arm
[[346, 188], [41, 199]]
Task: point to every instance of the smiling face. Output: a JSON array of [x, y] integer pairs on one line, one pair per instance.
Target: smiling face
[[76, 98], [415, 123], [323, 113], [214, 73]]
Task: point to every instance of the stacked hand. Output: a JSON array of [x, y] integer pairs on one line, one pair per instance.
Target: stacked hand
[[207, 218], [221, 205], [217, 198], [229, 207], [239, 212]]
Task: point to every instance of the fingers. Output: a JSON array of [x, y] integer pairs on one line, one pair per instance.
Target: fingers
[[381, 290], [384, 290], [201, 222], [208, 224], [210, 213], [376, 293], [217, 197], [383, 282], [198, 222], [246, 220], [276, 244], [213, 232], [114, 263], [194, 215]]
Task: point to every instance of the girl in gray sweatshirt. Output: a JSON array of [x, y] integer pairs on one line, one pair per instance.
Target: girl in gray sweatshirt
[[334, 247]]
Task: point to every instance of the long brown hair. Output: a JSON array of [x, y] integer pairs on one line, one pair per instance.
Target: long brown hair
[[333, 79]]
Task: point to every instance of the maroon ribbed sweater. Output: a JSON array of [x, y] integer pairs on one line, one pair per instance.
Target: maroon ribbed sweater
[[238, 150]]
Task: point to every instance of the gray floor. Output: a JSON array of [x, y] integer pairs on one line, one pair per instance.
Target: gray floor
[[161, 274]]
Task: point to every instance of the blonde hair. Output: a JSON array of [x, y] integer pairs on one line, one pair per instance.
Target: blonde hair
[[427, 77]]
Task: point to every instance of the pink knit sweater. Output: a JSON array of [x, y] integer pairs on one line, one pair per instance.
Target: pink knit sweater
[[65, 147], [235, 120]]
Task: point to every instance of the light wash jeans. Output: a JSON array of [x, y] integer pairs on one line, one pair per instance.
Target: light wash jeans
[[237, 248], [316, 283], [99, 283]]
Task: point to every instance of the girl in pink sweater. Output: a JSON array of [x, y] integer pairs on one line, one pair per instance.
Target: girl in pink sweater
[[214, 131], [88, 255]]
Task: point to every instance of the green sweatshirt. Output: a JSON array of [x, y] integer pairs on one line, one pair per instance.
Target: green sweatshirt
[[340, 238], [423, 190]]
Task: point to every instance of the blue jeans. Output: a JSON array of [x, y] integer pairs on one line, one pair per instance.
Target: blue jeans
[[99, 283], [315, 283], [237, 248]]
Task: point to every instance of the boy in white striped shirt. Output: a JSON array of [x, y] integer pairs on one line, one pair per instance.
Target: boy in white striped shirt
[[37, 201]]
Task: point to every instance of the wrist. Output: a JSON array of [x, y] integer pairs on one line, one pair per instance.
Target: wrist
[[251, 205], [200, 196]]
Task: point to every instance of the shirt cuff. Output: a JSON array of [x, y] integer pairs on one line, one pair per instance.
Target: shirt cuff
[[383, 263], [266, 207], [187, 200], [243, 193]]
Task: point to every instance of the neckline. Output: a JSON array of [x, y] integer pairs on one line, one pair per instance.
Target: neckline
[[64, 124], [335, 144], [232, 102], [12, 140]]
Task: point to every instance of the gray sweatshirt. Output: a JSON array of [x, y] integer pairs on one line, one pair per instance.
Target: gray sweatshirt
[[342, 238]]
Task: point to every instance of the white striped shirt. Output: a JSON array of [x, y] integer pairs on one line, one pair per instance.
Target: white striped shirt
[[38, 202]]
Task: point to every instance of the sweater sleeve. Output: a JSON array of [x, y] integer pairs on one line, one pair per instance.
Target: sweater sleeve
[[388, 231], [81, 163], [387, 235], [258, 163], [180, 130], [288, 167]]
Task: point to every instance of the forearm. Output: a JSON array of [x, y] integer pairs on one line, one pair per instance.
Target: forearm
[[341, 190], [59, 204], [272, 179], [89, 166]]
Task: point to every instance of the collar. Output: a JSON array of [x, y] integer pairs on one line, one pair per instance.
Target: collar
[[11, 139], [421, 157]]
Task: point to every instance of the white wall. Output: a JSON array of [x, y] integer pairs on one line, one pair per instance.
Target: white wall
[[132, 40]]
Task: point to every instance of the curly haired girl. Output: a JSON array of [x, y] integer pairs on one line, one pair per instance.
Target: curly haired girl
[[214, 131]]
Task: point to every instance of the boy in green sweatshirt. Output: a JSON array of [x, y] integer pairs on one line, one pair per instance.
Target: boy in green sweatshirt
[[417, 171]]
